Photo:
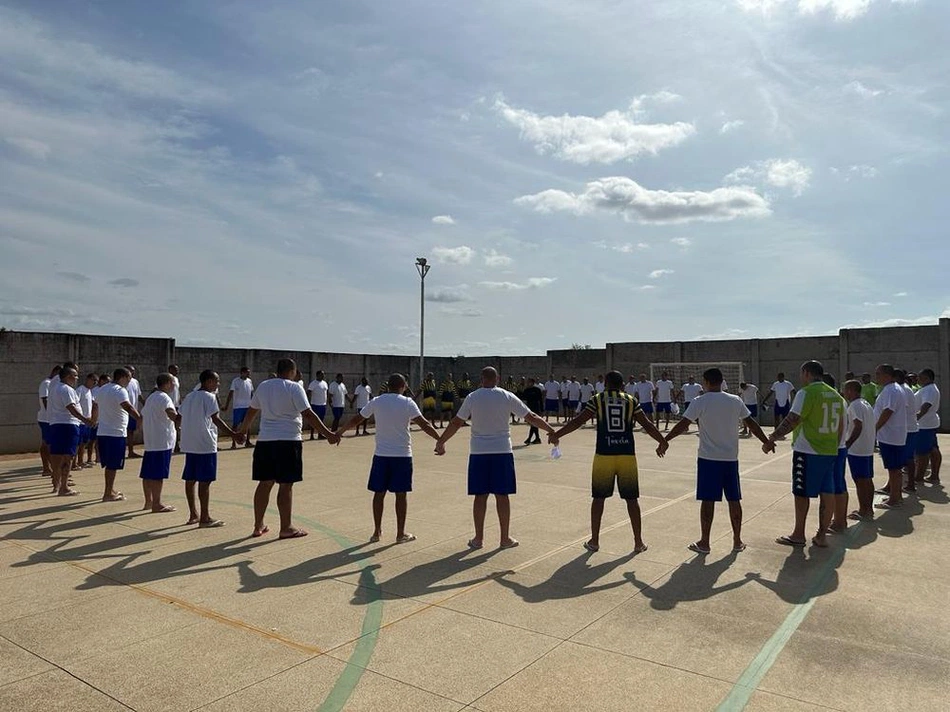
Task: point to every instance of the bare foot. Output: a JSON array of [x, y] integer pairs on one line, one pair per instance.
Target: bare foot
[[113, 497], [162, 508], [639, 548], [193, 519], [68, 493], [260, 532]]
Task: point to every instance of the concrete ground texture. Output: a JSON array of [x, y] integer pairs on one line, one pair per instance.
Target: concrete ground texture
[[106, 607]]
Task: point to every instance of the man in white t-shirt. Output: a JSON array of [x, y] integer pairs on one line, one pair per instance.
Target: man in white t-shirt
[[87, 405], [749, 393], [43, 419], [240, 392], [65, 417], [782, 391], [160, 421], [134, 390], [587, 391], [552, 395], [910, 445], [392, 461], [102, 380], [278, 454], [663, 392], [860, 447], [643, 390], [691, 391], [717, 469], [360, 398], [337, 393], [928, 419], [200, 424], [573, 396], [115, 409], [317, 392], [491, 464], [562, 388], [891, 427], [175, 395], [599, 385]]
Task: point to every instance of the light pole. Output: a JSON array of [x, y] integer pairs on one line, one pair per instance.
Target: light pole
[[422, 267]]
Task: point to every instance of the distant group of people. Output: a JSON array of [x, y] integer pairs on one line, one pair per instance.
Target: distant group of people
[[832, 431]]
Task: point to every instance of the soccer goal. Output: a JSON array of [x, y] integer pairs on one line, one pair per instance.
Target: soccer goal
[[679, 373]]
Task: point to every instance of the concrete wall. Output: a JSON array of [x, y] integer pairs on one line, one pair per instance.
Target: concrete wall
[[26, 358]]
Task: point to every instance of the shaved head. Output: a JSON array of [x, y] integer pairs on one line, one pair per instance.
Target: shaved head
[[489, 377]]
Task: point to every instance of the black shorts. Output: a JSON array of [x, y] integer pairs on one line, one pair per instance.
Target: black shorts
[[280, 461]]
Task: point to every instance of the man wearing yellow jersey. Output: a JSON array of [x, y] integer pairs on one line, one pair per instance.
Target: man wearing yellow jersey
[[447, 395], [429, 391], [615, 459]]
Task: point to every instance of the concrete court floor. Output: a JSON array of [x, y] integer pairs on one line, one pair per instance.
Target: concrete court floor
[[104, 607]]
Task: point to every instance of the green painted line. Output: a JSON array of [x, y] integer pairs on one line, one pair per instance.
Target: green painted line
[[748, 682], [372, 619]]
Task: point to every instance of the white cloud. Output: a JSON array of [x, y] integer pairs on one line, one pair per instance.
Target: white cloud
[[841, 9], [862, 90], [29, 146], [877, 304], [443, 220], [530, 283], [731, 126], [460, 255], [467, 312], [615, 136], [726, 334], [657, 273], [629, 248], [682, 241], [901, 294], [448, 295], [778, 172], [856, 171], [646, 287], [495, 259], [634, 202]]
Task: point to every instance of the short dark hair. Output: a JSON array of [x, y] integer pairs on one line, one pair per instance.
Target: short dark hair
[[853, 385], [813, 369], [829, 379], [244, 368], [70, 364], [91, 375], [55, 370], [121, 373], [162, 379], [713, 376], [614, 380], [395, 382], [900, 375], [928, 372], [286, 366], [887, 369], [207, 375]]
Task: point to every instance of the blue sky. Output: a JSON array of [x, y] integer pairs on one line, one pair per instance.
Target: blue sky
[[265, 174]]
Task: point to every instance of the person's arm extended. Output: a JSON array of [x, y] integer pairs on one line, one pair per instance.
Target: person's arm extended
[[785, 427], [238, 436], [314, 420], [765, 398], [537, 421], [447, 434], [227, 402], [127, 407], [753, 425], [173, 415], [576, 422], [924, 409], [354, 422], [650, 429], [426, 427], [882, 421], [95, 413], [678, 429], [76, 413]]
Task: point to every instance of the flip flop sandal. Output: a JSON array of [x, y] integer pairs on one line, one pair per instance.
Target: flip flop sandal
[[697, 548], [474, 544], [213, 524], [814, 541], [593, 548], [375, 538], [405, 538], [887, 505], [297, 534], [785, 541], [510, 545], [263, 530], [737, 549]]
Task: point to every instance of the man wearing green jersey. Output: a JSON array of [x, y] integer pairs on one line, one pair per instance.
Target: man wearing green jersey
[[869, 389], [817, 422]]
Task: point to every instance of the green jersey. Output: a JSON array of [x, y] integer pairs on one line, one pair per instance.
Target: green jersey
[[821, 409], [869, 392]]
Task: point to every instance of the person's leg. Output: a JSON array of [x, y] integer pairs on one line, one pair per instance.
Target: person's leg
[[193, 516], [839, 520], [479, 507], [146, 492], [802, 505], [735, 518], [204, 499], [596, 516], [503, 507], [44, 458], [157, 504], [911, 468], [108, 491], [936, 459], [707, 511], [825, 512], [865, 492], [633, 510], [402, 507], [923, 461], [261, 500], [285, 506], [379, 501], [895, 484]]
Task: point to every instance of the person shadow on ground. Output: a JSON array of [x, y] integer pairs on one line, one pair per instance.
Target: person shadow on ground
[[574, 578], [694, 580], [803, 578]]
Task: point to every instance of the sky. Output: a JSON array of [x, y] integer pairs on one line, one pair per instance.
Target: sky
[[266, 174]]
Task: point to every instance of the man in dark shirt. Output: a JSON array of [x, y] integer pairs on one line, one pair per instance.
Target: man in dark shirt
[[534, 399]]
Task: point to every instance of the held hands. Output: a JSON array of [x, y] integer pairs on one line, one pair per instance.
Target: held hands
[[768, 446], [240, 438], [333, 439], [553, 439], [662, 448], [440, 448]]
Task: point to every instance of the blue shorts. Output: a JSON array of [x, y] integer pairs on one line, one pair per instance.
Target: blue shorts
[[892, 455], [320, 410], [861, 466], [813, 474], [63, 439], [390, 474], [572, 405], [200, 467], [663, 408], [237, 417], [926, 441], [753, 410], [112, 452], [85, 434], [337, 413], [550, 405], [491, 474], [840, 483], [715, 478], [156, 464], [94, 434], [44, 432], [133, 425], [646, 407], [910, 446], [781, 411]]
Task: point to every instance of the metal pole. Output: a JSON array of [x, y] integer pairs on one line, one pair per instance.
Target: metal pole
[[422, 267]]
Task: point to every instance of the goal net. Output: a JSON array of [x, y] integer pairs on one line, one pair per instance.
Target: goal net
[[679, 373]]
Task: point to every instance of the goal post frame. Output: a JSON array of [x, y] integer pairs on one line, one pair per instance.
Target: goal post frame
[[732, 371]]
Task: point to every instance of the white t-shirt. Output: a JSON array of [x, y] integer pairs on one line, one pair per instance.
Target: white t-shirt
[[338, 394], [243, 389], [134, 390], [176, 391], [199, 434], [42, 393], [157, 430], [318, 392], [644, 391], [281, 403], [894, 431], [565, 385], [60, 396], [691, 391], [587, 392], [393, 414], [929, 394], [600, 386], [489, 410], [363, 394], [717, 414], [113, 420], [783, 391], [85, 400], [750, 396], [860, 411], [910, 412], [664, 391], [551, 390], [95, 392], [573, 390]]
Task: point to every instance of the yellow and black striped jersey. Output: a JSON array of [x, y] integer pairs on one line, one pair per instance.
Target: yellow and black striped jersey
[[615, 412]]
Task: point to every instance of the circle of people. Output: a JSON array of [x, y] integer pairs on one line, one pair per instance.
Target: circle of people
[[894, 413]]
